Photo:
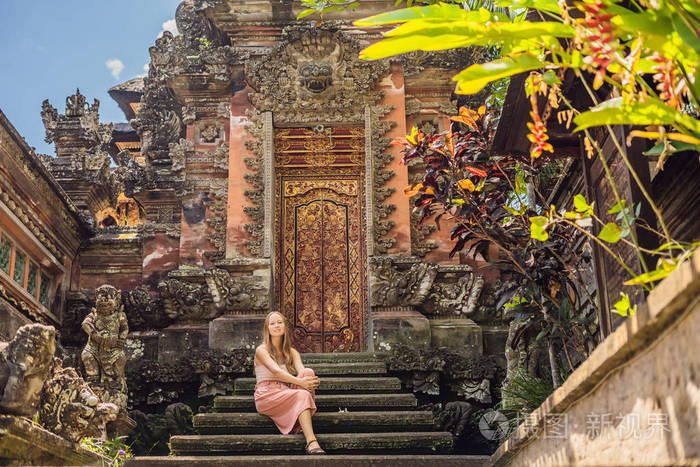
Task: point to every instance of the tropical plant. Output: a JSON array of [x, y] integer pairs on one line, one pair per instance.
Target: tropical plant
[[491, 199], [637, 63]]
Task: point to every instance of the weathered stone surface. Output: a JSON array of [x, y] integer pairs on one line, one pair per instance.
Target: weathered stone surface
[[348, 369], [635, 400], [71, 409], [25, 363], [328, 422], [23, 443], [392, 327], [180, 339], [371, 384], [328, 402], [378, 460], [460, 333], [342, 357], [417, 442], [236, 331], [104, 357]]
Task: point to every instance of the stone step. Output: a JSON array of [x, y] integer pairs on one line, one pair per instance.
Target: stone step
[[349, 369], [340, 357], [333, 443], [335, 384], [328, 422], [311, 461], [327, 402]]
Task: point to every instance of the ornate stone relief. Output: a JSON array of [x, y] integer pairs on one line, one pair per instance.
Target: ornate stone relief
[[381, 176], [437, 290], [71, 408], [209, 132], [25, 363], [394, 286], [315, 75], [179, 152], [185, 302], [256, 213], [237, 294]]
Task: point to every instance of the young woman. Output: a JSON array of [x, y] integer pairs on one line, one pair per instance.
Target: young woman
[[287, 399]]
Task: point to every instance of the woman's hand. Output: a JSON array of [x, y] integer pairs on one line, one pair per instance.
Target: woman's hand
[[310, 383]]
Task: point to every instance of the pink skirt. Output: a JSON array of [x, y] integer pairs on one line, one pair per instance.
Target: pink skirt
[[284, 403]]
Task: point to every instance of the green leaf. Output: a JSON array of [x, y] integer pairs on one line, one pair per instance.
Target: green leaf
[[520, 187], [685, 32], [623, 308], [445, 11], [305, 13], [550, 78], [582, 206], [610, 233], [673, 147], [542, 5], [651, 276], [617, 112], [618, 207], [572, 215], [449, 33], [477, 76], [537, 230]]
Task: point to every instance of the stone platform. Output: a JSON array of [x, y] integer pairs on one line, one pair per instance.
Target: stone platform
[[24, 443]]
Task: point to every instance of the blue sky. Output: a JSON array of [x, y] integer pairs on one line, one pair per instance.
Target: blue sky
[[50, 47]]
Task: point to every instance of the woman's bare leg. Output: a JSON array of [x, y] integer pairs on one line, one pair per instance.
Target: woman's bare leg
[[306, 427]]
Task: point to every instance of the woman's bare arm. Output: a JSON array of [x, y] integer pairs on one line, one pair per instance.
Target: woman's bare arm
[[263, 357], [296, 356]]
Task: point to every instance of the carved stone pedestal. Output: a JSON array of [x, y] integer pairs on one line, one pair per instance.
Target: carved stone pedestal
[[178, 340], [398, 325], [236, 331], [457, 333]]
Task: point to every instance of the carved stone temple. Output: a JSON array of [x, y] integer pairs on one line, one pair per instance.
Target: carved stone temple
[[256, 173]]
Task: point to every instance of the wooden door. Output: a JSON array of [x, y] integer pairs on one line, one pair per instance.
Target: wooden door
[[321, 251]]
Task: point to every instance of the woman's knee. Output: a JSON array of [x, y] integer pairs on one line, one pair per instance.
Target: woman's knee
[[306, 372]]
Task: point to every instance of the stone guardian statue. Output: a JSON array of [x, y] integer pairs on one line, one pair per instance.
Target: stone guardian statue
[[104, 357]]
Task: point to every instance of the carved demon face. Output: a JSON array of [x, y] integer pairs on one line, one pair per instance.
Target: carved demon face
[[107, 299], [316, 77]]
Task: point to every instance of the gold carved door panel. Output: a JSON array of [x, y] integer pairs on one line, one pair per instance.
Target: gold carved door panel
[[321, 251], [321, 276]]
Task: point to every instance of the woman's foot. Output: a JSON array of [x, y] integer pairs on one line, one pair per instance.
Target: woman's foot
[[314, 450]]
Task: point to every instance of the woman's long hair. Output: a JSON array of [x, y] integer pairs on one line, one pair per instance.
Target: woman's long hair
[[286, 357]]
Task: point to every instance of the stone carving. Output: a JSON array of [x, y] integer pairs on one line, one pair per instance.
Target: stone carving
[[315, 74], [178, 153], [393, 287], [79, 129], [157, 121], [104, 357], [216, 204], [70, 408], [185, 302], [237, 294], [479, 391], [420, 246], [25, 363], [143, 311], [381, 210], [458, 298], [255, 179]]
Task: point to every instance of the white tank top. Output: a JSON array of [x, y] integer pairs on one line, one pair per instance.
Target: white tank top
[[262, 373]]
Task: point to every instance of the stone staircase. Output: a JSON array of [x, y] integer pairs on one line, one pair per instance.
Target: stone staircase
[[363, 419]]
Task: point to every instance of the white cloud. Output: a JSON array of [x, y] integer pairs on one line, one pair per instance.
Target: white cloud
[[171, 26], [146, 67], [115, 66]]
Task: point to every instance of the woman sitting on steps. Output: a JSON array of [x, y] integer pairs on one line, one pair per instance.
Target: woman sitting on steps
[[288, 400]]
